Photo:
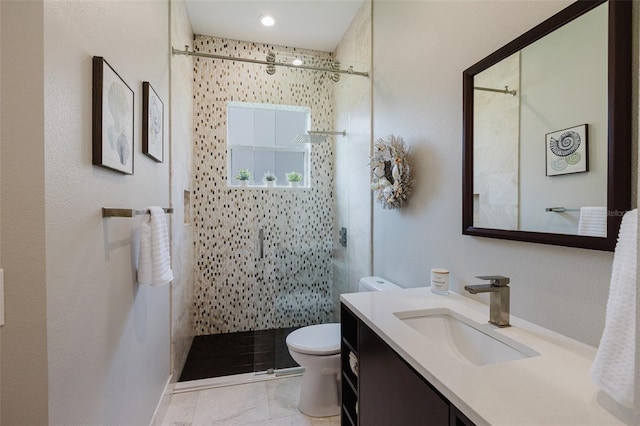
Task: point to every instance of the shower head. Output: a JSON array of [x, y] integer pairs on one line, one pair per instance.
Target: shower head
[[306, 138], [316, 136]]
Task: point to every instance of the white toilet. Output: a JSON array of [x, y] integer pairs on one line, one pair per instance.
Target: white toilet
[[317, 349]]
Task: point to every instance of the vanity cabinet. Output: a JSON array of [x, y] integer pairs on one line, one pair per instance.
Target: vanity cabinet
[[386, 390], [349, 346]]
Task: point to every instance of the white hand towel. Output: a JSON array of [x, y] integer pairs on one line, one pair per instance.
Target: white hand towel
[[593, 222], [154, 264], [613, 369]]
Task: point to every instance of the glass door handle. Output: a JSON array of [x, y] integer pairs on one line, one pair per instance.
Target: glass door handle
[[261, 243]]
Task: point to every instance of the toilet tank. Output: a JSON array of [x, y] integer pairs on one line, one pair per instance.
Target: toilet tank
[[376, 284]]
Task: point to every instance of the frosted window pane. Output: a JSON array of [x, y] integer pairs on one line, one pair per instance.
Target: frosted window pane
[[289, 124], [240, 124], [264, 127]]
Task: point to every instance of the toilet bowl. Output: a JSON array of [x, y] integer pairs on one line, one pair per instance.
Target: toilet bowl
[[317, 349]]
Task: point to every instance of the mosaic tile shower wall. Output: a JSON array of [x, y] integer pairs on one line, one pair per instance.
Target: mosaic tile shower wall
[[292, 284]]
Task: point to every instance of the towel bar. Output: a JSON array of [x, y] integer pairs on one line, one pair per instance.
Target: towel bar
[[560, 209], [109, 212]]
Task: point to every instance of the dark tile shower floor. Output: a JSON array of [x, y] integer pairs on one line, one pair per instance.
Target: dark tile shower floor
[[217, 355]]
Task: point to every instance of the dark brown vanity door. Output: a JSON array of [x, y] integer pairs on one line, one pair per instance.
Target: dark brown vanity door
[[390, 391]]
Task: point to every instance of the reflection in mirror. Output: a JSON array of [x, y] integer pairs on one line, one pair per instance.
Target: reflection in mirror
[[496, 148], [555, 83], [547, 132]]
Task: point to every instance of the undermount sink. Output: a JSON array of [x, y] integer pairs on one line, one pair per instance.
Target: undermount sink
[[469, 341]]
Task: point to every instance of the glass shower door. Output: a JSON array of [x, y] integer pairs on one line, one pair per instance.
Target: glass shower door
[[299, 255], [280, 275]]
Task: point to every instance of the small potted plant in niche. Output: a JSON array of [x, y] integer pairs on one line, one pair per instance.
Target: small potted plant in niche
[[244, 176], [294, 178], [269, 179]]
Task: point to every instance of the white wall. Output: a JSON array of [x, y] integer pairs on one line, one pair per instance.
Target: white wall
[[418, 68], [108, 338]]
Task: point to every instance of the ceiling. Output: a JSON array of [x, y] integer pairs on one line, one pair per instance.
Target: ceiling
[[308, 24]]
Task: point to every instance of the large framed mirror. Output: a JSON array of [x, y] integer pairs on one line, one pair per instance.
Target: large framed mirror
[[547, 131]]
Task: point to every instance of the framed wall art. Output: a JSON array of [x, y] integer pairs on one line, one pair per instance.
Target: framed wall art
[[566, 151], [152, 123], [113, 103]]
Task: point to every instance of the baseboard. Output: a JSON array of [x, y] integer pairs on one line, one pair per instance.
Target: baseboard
[[163, 404]]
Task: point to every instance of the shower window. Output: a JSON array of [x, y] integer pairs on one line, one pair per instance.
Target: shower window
[[260, 139]]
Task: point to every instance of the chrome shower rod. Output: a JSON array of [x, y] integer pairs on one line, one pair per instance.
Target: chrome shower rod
[[505, 91], [188, 52]]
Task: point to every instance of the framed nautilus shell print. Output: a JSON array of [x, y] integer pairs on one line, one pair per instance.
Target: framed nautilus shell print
[[566, 151]]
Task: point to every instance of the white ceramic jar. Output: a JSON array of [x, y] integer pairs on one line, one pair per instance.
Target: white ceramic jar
[[440, 281]]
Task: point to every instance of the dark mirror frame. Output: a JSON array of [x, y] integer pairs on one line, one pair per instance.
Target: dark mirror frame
[[619, 122]]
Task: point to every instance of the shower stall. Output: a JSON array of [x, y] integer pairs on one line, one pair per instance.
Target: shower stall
[[270, 259]]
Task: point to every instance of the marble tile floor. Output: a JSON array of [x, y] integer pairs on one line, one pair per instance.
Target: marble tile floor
[[269, 403]]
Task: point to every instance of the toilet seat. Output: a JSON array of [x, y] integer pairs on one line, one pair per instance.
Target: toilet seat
[[320, 339]]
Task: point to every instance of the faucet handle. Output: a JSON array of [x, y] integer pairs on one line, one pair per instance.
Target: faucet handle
[[496, 280]]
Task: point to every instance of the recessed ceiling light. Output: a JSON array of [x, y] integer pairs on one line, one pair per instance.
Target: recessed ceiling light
[[297, 62], [267, 20]]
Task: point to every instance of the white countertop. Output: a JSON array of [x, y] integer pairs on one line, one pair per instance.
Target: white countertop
[[553, 388]]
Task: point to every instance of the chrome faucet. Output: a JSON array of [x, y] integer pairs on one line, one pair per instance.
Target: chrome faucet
[[499, 300]]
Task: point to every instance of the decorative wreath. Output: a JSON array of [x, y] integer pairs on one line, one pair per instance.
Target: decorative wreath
[[390, 171]]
